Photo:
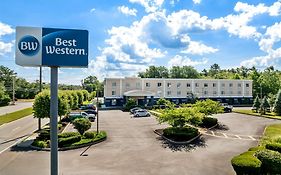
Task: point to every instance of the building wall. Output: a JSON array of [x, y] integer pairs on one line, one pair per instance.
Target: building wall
[[179, 88]]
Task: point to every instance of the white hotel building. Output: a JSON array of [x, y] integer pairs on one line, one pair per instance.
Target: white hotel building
[[147, 91]]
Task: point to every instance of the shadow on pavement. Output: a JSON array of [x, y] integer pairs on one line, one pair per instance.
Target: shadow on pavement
[[221, 126], [16, 148], [200, 142]]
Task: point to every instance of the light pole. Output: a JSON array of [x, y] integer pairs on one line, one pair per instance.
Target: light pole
[[40, 90], [14, 101], [97, 94]]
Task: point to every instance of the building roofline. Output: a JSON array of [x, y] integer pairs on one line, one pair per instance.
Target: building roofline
[[181, 79]]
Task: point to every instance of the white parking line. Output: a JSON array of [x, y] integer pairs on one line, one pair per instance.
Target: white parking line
[[252, 138], [213, 133], [238, 136], [225, 135]]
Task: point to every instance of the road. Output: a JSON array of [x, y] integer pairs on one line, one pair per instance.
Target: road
[[16, 107], [14, 131]]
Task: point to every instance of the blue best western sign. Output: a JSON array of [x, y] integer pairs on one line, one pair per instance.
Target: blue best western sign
[[51, 47]]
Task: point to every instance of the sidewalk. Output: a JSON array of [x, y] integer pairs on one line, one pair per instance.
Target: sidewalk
[[12, 108]]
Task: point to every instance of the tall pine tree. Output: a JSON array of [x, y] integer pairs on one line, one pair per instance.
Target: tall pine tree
[[277, 105]]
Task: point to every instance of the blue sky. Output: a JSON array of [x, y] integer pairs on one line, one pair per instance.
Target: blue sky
[[126, 36]]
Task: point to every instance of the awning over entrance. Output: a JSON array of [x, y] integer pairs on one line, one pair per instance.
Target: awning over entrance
[[139, 93]]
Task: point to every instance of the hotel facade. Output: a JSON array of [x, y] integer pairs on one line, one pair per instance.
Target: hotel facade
[[146, 91]]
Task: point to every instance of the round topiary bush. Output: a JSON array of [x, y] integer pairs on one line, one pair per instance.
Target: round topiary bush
[[271, 161], [180, 134], [90, 134], [246, 163], [82, 125]]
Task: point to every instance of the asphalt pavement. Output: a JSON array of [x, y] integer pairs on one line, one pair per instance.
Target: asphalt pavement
[[16, 107], [133, 149]]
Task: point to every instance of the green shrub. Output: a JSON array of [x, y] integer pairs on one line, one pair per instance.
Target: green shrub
[[271, 161], [40, 143], [44, 134], [180, 134], [82, 142], [257, 148], [4, 99], [68, 134], [277, 139], [62, 142], [90, 134], [209, 122], [130, 104], [274, 146], [82, 125], [246, 163]]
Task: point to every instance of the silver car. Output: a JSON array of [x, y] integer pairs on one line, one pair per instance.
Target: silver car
[[141, 113]]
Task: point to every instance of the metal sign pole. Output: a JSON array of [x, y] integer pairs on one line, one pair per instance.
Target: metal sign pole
[[54, 121]]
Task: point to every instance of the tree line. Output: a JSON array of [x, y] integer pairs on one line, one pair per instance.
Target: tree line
[[266, 82]]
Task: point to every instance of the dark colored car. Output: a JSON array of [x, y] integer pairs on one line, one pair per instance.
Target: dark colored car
[[91, 111], [89, 106]]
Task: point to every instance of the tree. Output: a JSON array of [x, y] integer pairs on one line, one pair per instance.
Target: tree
[[269, 81], [271, 100], [257, 103], [189, 72], [176, 72], [277, 105], [208, 107], [214, 69], [4, 98], [130, 104], [165, 102], [264, 105], [82, 125]]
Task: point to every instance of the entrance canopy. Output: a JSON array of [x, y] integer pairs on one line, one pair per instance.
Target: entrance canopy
[[139, 93]]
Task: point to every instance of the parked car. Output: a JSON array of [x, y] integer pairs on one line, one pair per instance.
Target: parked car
[[89, 106], [141, 113], [91, 111], [226, 107], [133, 110], [74, 115]]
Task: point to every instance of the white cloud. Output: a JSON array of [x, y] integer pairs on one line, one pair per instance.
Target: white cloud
[[185, 61], [5, 29], [196, 1], [271, 36], [129, 12], [92, 10], [197, 48], [5, 47], [149, 5]]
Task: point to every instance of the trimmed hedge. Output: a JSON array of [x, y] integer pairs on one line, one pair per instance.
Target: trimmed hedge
[[180, 134], [40, 143], [62, 142], [246, 163], [209, 122], [68, 134], [274, 147], [271, 161]]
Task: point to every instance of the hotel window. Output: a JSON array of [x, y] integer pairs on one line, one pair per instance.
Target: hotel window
[[138, 84], [214, 92], [169, 84], [239, 85], [205, 92], [159, 93], [147, 84], [247, 85], [113, 93], [196, 85], [178, 85], [230, 84], [188, 85], [222, 85], [205, 84], [214, 85], [159, 84], [114, 84], [169, 93], [179, 93], [127, 85], [222, 92], [239, 93], [113, 102]]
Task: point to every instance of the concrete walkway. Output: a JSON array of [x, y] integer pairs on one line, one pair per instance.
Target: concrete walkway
[[12, 108]]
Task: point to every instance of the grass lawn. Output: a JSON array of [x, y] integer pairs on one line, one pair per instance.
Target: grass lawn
[[15, 115], [271, 132], [250, 112]]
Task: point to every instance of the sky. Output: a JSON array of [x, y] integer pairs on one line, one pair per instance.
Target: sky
[[127, 36]]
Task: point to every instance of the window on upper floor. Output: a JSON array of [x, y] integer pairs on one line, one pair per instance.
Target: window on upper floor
[[147, 84], [214, 85], [188, 85], [222, 85], [230, 85], [247, 85], [196, 84], [169, 93], [169, 84], [178, 85], [159, 84], [127, 85], [114, 84], [205, 84], [239, 85]]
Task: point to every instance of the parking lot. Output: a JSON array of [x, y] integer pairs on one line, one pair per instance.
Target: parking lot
[[133, 148]]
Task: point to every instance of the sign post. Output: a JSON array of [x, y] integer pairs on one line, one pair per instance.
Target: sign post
[[54, 48]]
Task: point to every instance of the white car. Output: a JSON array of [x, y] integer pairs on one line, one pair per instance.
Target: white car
[[141, 113]]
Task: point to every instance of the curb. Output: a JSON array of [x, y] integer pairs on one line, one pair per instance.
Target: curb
[[68, 148], [175, 142]]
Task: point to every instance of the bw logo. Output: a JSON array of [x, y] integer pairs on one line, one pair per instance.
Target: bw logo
[[29, 45]]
